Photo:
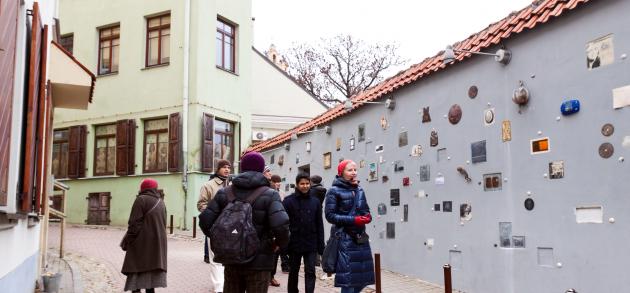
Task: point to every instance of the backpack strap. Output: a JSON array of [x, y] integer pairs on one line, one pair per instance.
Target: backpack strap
[[229, 191]]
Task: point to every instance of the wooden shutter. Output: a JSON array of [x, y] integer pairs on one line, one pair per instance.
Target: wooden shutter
[[174, 143], [8, 37], [37, 71], [76, 151], [125, 147], [207, 135]]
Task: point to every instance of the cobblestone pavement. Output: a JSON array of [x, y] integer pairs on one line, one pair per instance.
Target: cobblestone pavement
[[95, 252]]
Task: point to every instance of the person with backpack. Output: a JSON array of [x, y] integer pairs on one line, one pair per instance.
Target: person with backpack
[[307, 233], [347, 209], [145, 241], [208, 190], [246, 223]]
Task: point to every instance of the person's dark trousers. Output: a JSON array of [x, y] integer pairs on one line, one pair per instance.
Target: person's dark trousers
[[238, 280], [206, 253], [284, 262], [276, 255], [295, 259]]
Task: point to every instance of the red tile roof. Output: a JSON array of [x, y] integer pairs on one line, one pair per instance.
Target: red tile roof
[[540, 11]]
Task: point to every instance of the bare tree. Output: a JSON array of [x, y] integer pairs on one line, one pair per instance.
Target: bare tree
[[341, 67]]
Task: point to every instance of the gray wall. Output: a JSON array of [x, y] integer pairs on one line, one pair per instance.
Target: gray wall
[[551, 61]]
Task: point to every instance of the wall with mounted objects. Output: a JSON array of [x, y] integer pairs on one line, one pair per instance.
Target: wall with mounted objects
[[517, 198]]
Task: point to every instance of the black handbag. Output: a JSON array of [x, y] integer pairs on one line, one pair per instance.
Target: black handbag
[[331, 251]]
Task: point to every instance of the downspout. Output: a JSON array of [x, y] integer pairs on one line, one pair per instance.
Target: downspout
[[185, 108]]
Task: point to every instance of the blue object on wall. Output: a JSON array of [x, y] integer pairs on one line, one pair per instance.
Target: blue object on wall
[[570, 107]]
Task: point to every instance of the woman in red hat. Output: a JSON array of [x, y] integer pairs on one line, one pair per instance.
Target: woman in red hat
[[145, 241], [347, 209]]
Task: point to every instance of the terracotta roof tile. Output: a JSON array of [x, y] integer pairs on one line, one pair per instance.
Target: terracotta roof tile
[[514, 23]]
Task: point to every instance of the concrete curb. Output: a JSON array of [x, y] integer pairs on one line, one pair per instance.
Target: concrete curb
[[77, 283]]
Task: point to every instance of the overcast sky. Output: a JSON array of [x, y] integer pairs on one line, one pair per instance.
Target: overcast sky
[[421, 28]]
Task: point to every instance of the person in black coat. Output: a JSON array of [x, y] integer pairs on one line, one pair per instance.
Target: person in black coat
[[317, 190], [269, 218], [307, 233]]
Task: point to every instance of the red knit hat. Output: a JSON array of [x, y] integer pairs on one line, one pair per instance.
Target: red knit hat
[[342, 166], [148, 183]]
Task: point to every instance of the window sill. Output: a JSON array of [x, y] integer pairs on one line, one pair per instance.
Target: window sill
[[155, 66], [107, 74], [225, 70]]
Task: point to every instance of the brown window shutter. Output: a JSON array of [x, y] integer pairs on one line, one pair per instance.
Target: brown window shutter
[[125, 147], [174, 143], [8, 38], [82, 154], [76, 151], [30, 138], [207, 153]]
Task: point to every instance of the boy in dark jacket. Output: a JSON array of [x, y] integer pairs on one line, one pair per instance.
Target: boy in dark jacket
[[269, 218], [307, 233]]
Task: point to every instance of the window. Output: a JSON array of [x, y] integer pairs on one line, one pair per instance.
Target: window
[[109, 43], [105, 150], [60, 153], [67, 42], [492, 182], [225, 45], [158, 40], [223, 141], [156, 145]]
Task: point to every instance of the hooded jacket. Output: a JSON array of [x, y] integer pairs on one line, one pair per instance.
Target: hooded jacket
[[269, 217], [355, 267], [318, 191]]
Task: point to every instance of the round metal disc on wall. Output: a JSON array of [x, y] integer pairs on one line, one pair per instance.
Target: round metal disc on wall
[[455, 114], [608, 129], [472, 91], [488, 116], [606, 150], [529, 204]]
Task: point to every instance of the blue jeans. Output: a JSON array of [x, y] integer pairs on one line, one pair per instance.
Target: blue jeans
[[351, 289]]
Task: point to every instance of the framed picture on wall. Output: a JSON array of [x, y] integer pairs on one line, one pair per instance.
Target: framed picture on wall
[[327, 160], [373, 172]]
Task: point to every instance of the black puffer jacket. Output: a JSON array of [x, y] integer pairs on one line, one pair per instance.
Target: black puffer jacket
[[269, 217], [318, 191], [306, 223]]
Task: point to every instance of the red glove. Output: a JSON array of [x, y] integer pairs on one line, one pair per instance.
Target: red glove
[[362, 220]]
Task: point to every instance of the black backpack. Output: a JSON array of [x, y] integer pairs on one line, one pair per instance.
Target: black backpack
[[233, 237]]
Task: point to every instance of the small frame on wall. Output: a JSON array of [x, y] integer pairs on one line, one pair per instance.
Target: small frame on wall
[[338, 145], [327, 160], [425, 174], [492, 182], [540, 145], [361, 132], [402, 139], [556, 170], [281, 160], [373, 172], [394, 197], [272, 159], [391, 230], [478, 151], [600, 52], [308, 146], [352, 144]]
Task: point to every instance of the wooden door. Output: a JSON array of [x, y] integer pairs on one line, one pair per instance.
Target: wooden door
[[98, 208]]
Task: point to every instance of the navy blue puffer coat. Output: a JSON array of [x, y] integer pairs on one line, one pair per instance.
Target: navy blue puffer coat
[[355, 267]]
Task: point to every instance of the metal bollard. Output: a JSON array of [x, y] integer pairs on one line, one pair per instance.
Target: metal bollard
[[194, 227], [377, 271], [448, 287], [171, 224]]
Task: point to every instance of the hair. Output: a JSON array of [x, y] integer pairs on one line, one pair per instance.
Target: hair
[[301, 176], [221, 164], [275, 178], [316, 179]]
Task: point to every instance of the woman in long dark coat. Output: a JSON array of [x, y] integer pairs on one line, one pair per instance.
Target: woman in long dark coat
[[145, 241], [347, 209]]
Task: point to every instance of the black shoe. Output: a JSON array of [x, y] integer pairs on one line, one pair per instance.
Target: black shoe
[[206, 259]]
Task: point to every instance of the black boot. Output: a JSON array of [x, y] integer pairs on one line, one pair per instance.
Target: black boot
[[206, 259]]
